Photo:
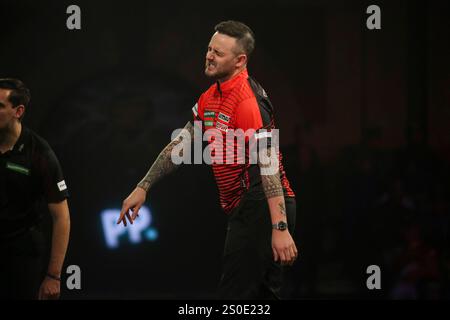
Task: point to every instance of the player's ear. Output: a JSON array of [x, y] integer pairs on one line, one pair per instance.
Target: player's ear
[[242, 60], [20, 110]]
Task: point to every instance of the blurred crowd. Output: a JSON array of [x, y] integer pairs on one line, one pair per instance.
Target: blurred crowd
[[372, 206]]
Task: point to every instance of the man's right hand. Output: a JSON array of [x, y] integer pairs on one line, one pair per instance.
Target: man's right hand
[[133, 202]]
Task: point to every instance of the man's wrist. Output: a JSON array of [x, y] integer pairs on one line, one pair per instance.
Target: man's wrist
[[145, 185], [280, 225], [53, 276]]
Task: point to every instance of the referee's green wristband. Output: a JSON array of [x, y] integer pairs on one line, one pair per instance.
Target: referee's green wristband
[[53, 277]]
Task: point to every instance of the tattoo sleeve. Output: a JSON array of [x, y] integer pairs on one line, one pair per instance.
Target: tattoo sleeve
[[163, 164], [270, 178], [282, 208]]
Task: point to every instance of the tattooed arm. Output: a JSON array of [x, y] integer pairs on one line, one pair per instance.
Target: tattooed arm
[[283, 245], [162, 166]]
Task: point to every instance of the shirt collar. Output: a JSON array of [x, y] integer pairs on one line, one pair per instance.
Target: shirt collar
[[230, 83], [20, 143]]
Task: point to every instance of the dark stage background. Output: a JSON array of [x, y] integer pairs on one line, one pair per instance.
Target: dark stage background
[[364, 117]]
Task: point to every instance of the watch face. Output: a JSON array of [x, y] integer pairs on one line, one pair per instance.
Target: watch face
[[282, 225]]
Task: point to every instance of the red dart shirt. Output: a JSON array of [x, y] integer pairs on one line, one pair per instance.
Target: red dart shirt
[[238, 103]]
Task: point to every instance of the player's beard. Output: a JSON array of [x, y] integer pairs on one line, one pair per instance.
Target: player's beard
[[218, 73]]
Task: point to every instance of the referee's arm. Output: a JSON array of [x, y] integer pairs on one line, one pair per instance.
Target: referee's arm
[[50, 287]]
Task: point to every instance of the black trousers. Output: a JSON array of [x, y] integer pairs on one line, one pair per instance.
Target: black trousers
[[249, 271], [21, 265]]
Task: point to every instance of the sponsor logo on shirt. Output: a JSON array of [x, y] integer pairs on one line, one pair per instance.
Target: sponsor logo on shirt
[[209, 118], [209, 114], [224, 117], [62, 185], [221, 127], [17, 168]]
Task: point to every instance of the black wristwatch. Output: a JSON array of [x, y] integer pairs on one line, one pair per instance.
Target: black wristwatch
[[280, 226]]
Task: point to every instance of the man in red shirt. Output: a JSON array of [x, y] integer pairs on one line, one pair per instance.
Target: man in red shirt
[[258, 200]]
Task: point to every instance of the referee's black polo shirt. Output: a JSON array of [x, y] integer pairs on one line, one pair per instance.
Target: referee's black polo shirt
[[30, 175]]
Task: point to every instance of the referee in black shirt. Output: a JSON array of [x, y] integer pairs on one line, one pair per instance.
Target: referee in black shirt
[[30, 175]]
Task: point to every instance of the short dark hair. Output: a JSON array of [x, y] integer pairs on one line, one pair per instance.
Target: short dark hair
[[241, 32], [19, 92]]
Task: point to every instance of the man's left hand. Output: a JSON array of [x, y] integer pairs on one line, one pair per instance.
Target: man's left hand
[[50, 289], [284, 248]]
